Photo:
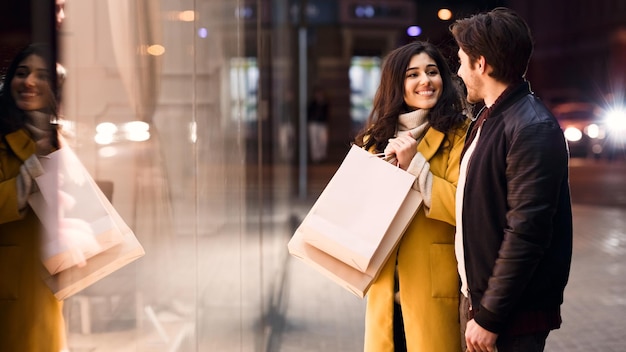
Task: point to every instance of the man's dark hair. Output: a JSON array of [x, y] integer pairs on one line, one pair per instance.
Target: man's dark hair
[[502, 37]]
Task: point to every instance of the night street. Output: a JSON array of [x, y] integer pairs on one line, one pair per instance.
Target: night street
[[600, 182], [213, 126]]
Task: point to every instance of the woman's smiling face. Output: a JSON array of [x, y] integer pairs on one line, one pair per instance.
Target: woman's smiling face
[[422, 83], [30, 87]]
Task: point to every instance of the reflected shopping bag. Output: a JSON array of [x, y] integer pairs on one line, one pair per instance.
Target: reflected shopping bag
[[77, 221], [74, 279], [346, 237]]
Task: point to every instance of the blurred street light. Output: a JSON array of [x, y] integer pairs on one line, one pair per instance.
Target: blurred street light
[[444, 14]]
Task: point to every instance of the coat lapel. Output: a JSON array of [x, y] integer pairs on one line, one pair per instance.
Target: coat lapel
[[431, 142]]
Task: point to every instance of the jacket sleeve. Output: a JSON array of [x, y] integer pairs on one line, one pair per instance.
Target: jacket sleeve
[[536, 164], [444, 185], [18, 162]]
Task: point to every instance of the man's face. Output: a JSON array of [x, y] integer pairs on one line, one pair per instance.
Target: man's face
[[59, 9], [471, 77]]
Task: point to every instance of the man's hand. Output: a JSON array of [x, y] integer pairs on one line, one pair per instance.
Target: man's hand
[[478, 339]]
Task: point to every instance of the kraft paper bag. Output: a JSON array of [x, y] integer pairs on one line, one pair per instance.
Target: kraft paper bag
[[72, 280], [77, 222], [319, 243]]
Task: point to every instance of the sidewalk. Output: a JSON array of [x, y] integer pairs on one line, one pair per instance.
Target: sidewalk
[[323, 317], [310, 313], [594, 312]]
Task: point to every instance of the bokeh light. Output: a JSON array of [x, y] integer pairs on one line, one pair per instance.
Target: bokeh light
[[444, 14], [203, 32], [187, 16], [414, 31], [156, 50]]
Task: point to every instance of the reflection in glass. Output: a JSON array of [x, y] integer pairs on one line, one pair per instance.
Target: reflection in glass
[[244, 83]]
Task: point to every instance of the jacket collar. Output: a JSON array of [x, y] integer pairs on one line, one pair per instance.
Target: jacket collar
[[520, 90]]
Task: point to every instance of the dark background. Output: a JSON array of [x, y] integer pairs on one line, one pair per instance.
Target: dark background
[[15, 29], [580, 49], [23, 22]]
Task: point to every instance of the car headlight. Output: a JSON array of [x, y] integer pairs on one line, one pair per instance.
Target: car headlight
[[573, 134], [594, 131], [615, 120]]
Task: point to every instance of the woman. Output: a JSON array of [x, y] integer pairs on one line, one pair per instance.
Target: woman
[[30, 316], [418, 122]]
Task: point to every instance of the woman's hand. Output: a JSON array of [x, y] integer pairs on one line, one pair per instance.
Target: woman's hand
[[404, 148]]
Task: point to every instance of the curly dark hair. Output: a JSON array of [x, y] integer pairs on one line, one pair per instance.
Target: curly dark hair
[[13, 118], [389, 99]]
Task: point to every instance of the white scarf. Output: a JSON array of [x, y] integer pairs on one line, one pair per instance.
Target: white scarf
[[414, 123]]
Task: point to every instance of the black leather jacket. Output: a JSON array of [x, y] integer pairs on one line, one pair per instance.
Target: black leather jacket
[[517, 219]]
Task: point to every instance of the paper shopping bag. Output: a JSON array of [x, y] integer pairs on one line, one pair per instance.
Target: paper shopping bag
[[77, 222], [355, 210], [320, 244], [345, 275], [74, 279]]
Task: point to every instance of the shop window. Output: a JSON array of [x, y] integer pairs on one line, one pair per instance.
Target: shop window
[[364, 80], [244, 84]]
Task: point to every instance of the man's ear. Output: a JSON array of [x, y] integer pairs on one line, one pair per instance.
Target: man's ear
[[481, 64]]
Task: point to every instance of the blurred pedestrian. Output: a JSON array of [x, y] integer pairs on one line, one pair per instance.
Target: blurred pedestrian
[[318, 110], [286, 131], [514, 217], [418, 122], [30, 316], [59, 11]]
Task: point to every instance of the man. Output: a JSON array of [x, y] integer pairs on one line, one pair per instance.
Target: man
[[514, 219]]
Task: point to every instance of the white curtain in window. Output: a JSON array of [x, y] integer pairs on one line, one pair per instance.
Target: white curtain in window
[[137, 43]]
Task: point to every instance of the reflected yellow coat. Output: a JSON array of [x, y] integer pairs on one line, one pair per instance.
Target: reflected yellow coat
[[426, 264], [30, 316]]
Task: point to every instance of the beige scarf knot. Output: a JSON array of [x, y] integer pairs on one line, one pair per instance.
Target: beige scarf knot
[[414, 123]]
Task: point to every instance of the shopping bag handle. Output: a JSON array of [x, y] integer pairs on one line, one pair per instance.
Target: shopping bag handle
[[385, 158]]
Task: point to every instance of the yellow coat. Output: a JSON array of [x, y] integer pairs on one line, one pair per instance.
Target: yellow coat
[[30, 316], [427, 272]]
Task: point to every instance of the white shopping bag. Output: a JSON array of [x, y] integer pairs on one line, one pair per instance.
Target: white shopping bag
[[357, 221], [77, 221], [74, 279]]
